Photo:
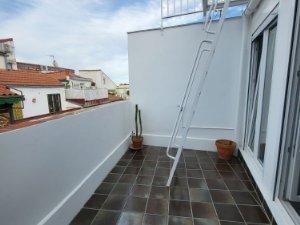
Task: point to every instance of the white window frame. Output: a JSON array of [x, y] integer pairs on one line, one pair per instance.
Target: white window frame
[[264, 30]]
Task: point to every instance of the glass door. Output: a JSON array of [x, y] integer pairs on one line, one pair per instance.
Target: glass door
[[259, 91]]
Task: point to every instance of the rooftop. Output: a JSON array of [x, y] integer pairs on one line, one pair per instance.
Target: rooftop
[[27, 78]]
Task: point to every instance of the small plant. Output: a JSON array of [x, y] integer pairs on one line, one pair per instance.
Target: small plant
[[137, 138]]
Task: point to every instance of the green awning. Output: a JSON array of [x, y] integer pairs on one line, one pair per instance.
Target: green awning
[[9, 100]]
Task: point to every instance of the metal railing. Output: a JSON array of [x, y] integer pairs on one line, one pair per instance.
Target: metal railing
[[87, 94], [177, 8]]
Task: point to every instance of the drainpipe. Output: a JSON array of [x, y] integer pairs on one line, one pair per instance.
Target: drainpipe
[[252, 6]]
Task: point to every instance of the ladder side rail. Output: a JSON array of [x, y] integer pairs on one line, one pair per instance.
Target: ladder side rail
[[211, 13], [184, 108], [200, 87], [187, 90]]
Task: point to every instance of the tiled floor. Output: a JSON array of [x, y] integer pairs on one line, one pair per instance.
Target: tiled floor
[[205, 191]]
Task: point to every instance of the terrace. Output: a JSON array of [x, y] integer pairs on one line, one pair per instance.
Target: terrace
[[77, 168], [205, 190]]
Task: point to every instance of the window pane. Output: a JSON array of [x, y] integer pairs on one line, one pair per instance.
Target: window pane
[[253, 90], [266, 93]]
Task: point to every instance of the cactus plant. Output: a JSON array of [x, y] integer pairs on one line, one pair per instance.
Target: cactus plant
[[138, 122], [137, 138]]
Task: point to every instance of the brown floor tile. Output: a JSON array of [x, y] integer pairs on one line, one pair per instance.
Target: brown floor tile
[[216, 184], [229, 175], [84, 217], [191, 165], [221, 196], [114, 202], [200, 195], [157, 206], [147, 171], [135, 204], [159, 192], [127, 178], [104, 188], [203, 210], [210, 174], [149, 164], [243, 198], [162, 172], [135, 163], [130, 218], [253, 214], [201, 221], [95, 201], [112, 178], [175, 220], [179, 193], [159, 181], [228, 212], [121, 189], [164, 164], [154, 220], [118, 169], [180, 172], [197, 183], [179, 208], [132, 170], [142, 191], [235, 185], [208, 166], [249, 185], [179, 182], [195, 173], [231, 223], [123, 162], [242, 176], [223, 167], [106, 217], [145, 180]]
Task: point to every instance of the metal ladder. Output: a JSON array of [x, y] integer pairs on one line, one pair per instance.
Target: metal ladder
[[206, 49]]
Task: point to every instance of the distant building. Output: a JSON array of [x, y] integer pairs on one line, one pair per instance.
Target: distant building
[[42, 94], [123, 91], [100, 78], [7, 54], [40, 67], [80, 90]]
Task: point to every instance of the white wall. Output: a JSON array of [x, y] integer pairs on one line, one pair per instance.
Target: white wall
[[49, 170], [40, 106], [98, 77], [159, 65]]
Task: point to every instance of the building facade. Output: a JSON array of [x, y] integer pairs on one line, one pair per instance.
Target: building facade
[[100, 78], [7, 54]]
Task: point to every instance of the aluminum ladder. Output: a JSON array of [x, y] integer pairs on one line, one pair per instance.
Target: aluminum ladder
[[190, 100]]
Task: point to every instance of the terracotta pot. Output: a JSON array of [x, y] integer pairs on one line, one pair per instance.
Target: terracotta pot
[[225, 148], [137, 142]]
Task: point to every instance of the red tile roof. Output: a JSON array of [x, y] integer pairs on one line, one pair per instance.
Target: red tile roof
[[60, 75], [27, 78], [5, 92]]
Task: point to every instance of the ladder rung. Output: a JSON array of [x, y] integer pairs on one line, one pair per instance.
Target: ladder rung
[[210, 32]]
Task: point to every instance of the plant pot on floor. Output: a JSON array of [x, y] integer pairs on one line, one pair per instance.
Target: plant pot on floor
[[137, 142], [225, 148]]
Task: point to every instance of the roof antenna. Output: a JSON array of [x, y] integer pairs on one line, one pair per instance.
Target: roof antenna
[[54, 63]]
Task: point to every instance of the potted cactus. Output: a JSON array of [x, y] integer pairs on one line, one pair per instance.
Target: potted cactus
[[136, 137]]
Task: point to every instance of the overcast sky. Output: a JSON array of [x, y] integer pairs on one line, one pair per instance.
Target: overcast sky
[[82, 34]]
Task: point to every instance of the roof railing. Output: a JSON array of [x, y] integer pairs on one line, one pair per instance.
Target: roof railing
[[178, 8]]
